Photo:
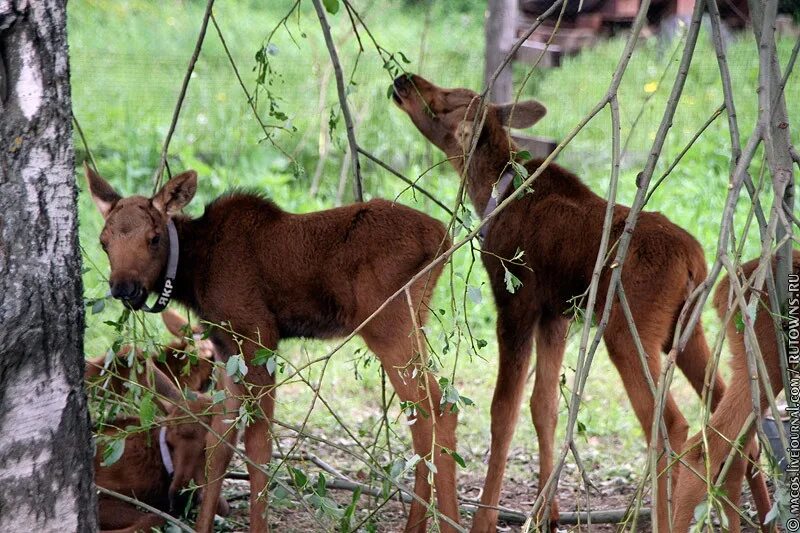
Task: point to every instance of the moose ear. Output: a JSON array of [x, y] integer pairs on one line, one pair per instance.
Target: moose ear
[[169, 394], [464, 134], [175, 323], [521, 114], [104, 196], [176, 193]]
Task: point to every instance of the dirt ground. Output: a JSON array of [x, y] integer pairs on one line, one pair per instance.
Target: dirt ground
[[519, 492]]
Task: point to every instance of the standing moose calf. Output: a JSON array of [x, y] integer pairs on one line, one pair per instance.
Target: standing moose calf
[[273, 275], [558, 227], [730, 416]]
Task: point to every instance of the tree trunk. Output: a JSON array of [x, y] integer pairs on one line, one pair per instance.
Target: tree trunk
[[500, 27], [46, 450]]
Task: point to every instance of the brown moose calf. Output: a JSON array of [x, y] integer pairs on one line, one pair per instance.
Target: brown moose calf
[[156, 466], [730, 416], [558, 227], [273, 275]]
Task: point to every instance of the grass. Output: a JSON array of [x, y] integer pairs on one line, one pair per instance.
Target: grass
[[128, 59]]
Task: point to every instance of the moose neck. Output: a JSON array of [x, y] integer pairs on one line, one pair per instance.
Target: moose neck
[[490, 160]]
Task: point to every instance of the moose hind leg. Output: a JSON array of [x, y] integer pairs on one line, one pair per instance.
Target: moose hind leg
[[550, 345], [515, 339], [391, 337]]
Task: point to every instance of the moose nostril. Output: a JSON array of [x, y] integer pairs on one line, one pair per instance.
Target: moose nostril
[[125, 290]]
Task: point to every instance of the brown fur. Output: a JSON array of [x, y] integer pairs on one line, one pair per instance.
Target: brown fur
[[140, 472], [730, 415], [193, 376], [559, 226], [274, 275]]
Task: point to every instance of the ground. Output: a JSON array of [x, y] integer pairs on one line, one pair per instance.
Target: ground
[[519, 492]]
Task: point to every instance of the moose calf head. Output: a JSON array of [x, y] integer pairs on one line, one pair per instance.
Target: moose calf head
[[185, 434], [135, 235], [446, 116]]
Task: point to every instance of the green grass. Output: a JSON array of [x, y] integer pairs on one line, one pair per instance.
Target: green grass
[[128, 60]]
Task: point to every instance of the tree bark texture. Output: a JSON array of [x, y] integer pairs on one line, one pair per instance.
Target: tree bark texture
[[46, 450]]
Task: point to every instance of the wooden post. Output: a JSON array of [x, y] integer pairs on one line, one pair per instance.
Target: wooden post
[[500, 35]]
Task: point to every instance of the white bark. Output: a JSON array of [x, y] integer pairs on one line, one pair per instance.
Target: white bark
[[45, 440]]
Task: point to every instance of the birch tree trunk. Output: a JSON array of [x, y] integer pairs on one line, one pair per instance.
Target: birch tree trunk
[[46, 451]]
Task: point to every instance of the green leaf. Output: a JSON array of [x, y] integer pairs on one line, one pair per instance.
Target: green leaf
[[431, 466], [524, 155], [457, 458], [236, 366], [331, 6], [113, 451], [480, 343], [218, 396], [474, 294], [322, 487], [519, 169], [261, 356], [773, 513], [272, 364], [512, 282], [701, 511], [147, 410], [738, 322], [98, 306], [299, 477]]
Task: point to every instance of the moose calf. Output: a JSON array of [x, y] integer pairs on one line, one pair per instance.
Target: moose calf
[[157, 465], [273, 275], [558, 226], [730, 415]]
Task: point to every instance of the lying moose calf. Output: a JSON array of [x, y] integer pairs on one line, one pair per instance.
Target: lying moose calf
[[156, 465], [273, 275]]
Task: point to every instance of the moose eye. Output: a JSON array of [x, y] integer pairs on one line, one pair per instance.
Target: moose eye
[[155, 240]]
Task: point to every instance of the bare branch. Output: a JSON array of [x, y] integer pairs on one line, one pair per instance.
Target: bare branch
[[358, 193], [176, 113], [150, 509]]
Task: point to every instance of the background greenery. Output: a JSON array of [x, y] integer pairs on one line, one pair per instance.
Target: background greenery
[[128, 60]]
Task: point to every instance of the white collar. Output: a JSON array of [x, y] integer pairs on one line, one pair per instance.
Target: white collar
[[165, 455], [500, 190]]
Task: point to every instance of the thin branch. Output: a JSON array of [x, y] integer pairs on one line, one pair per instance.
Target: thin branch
[[358, 192], [150, 509], [176, 113], [411, 183]]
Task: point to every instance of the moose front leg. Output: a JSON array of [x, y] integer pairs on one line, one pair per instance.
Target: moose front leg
[[219, 450], [256, 390], [258, 443]]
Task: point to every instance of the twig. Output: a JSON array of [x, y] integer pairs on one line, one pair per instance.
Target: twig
[[358, 193], [83, 140], [607, 516], [176, 113], [411, 183], [150, 509]]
